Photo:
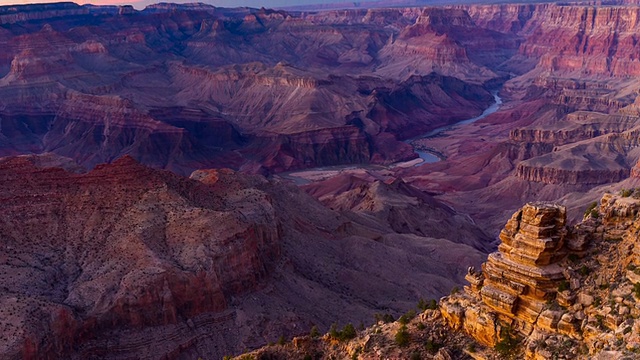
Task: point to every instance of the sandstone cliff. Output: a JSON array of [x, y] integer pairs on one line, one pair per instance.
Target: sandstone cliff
[[306, 89], [551, 291], [126, 261]]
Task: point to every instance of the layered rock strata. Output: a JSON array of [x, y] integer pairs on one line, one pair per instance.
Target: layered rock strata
[[518, 280], [125, 261], [328, 88], [584, 304], [516, 308]]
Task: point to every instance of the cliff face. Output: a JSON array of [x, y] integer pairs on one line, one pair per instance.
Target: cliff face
[[133, 265], [516, 281], [254, 74], [549, 175], [529, 286], [125, 261], [22, 13], [590, 39], [549, 292]]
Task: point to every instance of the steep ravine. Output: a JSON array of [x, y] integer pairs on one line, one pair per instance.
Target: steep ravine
[[550, 291]]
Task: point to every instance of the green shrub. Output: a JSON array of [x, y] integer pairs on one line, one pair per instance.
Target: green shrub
[[564, 285], [471, 348], [604, 286], [402, 336], [584, 270], [427, 305], [432, 346], [314, 333], [408, 316], [282, 340], [348, 332], [385, 318], [357, 352], [420, 326], [573, 258], [508, 343], [455, 290], [636, 290], [590, 208], [333, 331], [626, 192], [415, 356]]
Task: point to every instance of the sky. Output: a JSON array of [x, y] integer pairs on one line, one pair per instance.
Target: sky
[[224, 3]]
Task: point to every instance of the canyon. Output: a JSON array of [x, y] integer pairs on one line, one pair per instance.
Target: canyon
[[129, 261], [146, 158], [550, 291]]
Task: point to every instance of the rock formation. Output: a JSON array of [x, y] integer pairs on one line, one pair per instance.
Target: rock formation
[[518, 280], [532, 288], [549, 292], [125, 261], [402, 206], [312, 97]]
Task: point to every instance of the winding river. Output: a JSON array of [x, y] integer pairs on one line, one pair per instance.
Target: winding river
[[431, 157], [305, 176]]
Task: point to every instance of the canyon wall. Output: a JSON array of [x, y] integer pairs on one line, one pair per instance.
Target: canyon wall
[[126, 261]]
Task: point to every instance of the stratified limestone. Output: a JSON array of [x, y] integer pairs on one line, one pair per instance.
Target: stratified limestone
[[517, 281], [522, 276], [465, 313]]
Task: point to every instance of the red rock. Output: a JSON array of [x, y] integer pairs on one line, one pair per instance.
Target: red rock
[[248, 86], [130, 260]]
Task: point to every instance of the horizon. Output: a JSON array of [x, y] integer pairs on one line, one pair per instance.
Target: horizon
[[139, 4]]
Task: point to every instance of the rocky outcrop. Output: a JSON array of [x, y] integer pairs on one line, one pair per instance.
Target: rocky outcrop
[[129, 260], [23, 13], [531, 286], [134, 265], [523, 275], [517, 281], [402, 206], [575, 176]]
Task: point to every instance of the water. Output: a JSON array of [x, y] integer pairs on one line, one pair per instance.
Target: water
[[429, 157], [426, 157], [324, 172]]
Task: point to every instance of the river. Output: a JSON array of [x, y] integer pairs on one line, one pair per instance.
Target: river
[[306, 176], [430, 156]]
